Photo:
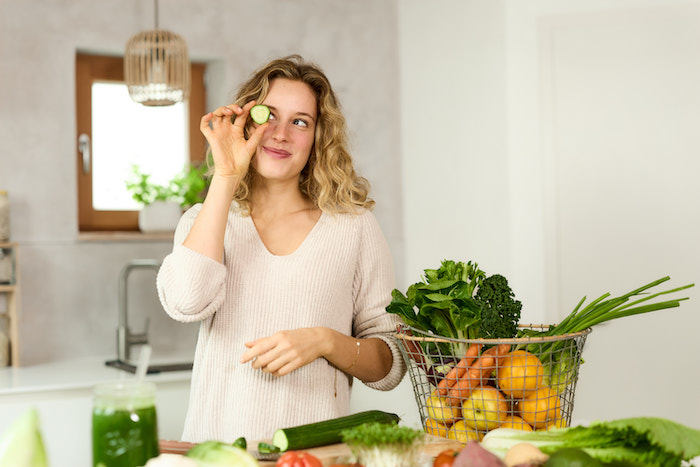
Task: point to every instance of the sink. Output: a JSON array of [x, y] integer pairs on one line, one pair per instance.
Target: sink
[[152, 369], [168, 359]]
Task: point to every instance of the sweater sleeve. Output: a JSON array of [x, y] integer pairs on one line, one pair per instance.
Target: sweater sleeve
[[372, 286], [190, 285]]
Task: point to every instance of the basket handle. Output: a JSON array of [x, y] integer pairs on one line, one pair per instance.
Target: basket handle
[[412, 348]]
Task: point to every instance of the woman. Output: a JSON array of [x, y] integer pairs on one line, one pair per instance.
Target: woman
[[283, 264]]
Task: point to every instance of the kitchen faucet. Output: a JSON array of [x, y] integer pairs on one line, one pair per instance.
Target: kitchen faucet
[[125, 338]]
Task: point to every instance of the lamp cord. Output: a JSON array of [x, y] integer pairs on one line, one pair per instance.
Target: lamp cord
[[155, 4]]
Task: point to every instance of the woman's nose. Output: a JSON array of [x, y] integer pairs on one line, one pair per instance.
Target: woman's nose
[[279, 132]]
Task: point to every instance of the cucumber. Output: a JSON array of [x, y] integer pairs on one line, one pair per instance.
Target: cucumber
[[241, 443], [260, 113], [328, 431]]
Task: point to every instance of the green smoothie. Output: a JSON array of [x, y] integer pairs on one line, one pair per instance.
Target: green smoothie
[[124, 426]]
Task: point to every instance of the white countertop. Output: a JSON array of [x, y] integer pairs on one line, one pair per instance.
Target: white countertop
[[79, 373]]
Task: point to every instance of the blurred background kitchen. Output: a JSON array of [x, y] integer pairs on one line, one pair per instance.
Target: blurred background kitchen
[[552, 141]]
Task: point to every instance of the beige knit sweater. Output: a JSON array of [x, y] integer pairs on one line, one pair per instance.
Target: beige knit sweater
[[340, 277]]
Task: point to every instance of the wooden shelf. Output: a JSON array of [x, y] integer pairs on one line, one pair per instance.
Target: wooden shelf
[[124, 236], [12, 293]]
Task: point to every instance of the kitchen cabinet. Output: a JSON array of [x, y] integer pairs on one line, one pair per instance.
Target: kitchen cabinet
[[9, 287]]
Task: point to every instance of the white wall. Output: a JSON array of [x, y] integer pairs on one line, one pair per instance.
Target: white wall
[[69, 294], [553, 141]]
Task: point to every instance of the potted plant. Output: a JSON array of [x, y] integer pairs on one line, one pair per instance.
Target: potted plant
[[162, 205]]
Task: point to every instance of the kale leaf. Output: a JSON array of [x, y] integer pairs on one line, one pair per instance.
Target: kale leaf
[[500, 311]]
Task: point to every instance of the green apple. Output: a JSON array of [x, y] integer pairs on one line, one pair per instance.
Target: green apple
[[485, 408]]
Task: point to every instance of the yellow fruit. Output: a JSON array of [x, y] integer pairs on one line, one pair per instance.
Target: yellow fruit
[[436, 429], [515, 422], [520, 373], [463, 433], [558, 423], [485, 408], [540, 407], [441, 411]]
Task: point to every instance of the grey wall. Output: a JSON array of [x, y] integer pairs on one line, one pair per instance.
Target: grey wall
[[69, 286]]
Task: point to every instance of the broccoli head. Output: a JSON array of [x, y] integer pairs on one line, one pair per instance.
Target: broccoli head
[[500, 312]]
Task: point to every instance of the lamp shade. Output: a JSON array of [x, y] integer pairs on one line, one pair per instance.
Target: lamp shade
[[157, 68]]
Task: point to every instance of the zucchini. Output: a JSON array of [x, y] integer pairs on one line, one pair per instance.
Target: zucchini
[[260, 113], [328, 431]]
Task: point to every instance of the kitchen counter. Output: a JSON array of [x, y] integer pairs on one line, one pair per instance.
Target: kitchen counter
[[79, 373], [61, 392], [334, 453]]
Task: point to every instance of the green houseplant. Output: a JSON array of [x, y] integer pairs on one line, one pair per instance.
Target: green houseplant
[[162, 205], [186, 188]]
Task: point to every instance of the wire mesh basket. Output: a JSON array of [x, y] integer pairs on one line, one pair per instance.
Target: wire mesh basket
[[464, 388]]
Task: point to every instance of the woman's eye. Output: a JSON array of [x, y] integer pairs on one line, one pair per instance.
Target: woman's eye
[[272, 117], [300, 122]]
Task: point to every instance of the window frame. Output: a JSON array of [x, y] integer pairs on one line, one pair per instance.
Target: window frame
[[88, 69]]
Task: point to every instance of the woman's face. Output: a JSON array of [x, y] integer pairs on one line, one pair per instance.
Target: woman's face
[[287, 142]]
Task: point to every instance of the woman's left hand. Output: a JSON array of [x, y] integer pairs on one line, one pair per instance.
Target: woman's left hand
[[285, 351]]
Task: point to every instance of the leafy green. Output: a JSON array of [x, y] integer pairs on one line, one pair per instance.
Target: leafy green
[[459, 302], [382, 444], [602, 310], [500, 312], [21, 443], [558, 356], [650, 441]]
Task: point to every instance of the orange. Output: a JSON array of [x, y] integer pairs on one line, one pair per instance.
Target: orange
[[463, 433], [520, 373], [515, 422], [435, 428], [540, 407]]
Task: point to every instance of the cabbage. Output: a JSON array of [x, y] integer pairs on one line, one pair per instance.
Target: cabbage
[[215, 453], [21, 444], [171, 460]]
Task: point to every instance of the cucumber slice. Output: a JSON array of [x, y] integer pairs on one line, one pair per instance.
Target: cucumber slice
[[260, 113]]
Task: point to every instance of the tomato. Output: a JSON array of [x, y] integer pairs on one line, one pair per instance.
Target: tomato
[[445, 458], [298, 459]]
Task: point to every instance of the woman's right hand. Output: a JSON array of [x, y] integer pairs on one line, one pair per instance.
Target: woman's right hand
[[231, 151]]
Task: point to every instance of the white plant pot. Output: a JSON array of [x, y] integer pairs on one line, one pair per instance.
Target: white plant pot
[[160, 216]]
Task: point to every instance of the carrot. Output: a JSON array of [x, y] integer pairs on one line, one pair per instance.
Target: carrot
[[477, 374], [458, 371], [500, 352]]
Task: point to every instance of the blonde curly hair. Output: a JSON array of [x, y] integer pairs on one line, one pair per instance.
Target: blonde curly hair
[[329, 179]]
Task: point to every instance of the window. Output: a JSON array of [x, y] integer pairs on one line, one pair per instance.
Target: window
[[117, 133]]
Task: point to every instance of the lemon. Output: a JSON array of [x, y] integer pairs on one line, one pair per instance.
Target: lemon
[[440, 410], [435, 428], [461, 432]]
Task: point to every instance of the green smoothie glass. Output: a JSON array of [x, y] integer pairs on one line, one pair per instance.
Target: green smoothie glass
[[124, 425]]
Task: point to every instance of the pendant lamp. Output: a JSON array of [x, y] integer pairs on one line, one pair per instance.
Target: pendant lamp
[[157, 67]]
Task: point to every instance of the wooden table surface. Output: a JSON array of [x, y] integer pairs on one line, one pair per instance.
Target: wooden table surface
[[328, 454]]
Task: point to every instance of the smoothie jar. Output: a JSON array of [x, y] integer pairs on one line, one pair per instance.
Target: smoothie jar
[[124, 425]]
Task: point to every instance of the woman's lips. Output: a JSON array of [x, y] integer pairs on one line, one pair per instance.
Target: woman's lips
[[276, 153]]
